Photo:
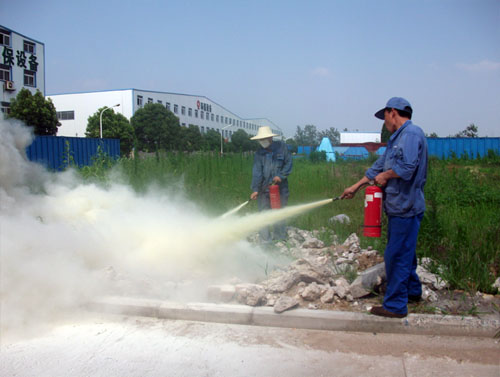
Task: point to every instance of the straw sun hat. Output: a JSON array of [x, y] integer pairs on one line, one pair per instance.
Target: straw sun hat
[[263, 133]]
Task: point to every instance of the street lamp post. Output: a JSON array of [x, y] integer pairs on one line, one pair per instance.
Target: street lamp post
[[222, 129], [100, 118]]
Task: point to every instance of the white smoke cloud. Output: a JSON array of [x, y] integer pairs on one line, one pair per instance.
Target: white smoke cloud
[[64, 242]]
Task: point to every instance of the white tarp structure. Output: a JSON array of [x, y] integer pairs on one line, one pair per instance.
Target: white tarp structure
[[326, 146], [359, 137]]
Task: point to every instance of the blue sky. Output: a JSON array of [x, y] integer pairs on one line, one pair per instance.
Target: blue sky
[[326, 63]]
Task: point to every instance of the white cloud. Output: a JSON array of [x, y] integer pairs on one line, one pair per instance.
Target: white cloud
[[321, 71], [482, 66]]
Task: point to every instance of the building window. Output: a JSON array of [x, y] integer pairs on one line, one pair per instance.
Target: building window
[[183, 124], [4, 38], [66, 115], [202, 129], [217, 118], [5, 107], [196, 113], [190, 112], [29, 78], [159, 101], [4, 72], [201, 114], [150, 100], [183, 110], [167, 105], [139, 101], [212, 117], [176, 108], [29, 47]]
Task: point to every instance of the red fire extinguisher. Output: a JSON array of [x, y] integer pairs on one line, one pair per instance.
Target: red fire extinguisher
[[373, 211], [274, 196]]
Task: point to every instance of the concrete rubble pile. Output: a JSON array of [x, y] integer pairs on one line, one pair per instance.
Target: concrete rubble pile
[[319, 276]]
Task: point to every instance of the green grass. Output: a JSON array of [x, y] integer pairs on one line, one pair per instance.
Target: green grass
[[460, 230]]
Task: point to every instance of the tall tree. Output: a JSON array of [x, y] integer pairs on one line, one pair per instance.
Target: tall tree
[[191, 139], [211, 140], [35, 111], [241, 142], [332, 133], [300, 136], [114, 126], [470, 131], [385, 134], [156, 128], [307, 136], [311, 135]]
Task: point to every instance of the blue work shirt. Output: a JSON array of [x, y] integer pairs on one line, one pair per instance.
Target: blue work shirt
[[269, 163], [406, 155]]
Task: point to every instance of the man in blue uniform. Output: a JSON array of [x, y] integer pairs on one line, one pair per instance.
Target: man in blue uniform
[[272, 164], [402, 172]]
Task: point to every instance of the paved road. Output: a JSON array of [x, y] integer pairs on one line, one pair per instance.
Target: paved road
[[139, 346]]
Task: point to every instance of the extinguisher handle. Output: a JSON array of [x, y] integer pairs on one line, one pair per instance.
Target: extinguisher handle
[[371, 182]]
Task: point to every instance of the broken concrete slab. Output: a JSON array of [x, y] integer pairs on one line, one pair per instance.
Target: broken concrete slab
[[285, 303], [367, 281]]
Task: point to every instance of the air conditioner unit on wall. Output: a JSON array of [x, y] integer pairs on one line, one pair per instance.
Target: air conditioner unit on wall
[[9, 85]]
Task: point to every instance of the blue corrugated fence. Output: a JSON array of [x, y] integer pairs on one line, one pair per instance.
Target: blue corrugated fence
[[55, 151], [441, 147], [305, 150], [446, 147]]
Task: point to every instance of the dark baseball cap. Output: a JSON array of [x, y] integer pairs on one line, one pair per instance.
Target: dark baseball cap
[[395, 103]]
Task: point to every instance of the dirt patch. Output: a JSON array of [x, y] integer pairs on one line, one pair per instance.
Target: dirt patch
[[366, 261]]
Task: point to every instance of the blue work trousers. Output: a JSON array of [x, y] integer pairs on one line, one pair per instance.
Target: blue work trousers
[[401, 262]]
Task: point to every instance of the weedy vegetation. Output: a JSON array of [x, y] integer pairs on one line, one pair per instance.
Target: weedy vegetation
[[460, 231]]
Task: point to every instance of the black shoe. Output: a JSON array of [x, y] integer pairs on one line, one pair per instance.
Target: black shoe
[[380, 311], [414, 298]]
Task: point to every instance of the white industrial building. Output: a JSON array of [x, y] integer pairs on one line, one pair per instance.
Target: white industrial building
[[74, 109], [22, 65], [359, 137]]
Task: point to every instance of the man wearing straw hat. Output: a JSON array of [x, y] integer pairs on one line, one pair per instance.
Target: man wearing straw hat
[[272, 165]]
